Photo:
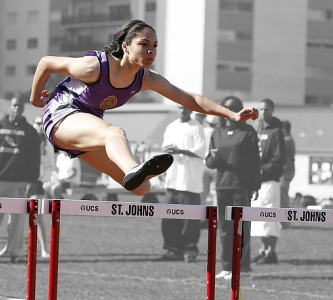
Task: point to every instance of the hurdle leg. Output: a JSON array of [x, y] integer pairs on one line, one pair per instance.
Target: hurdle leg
[[211, 252], [236, 252], [54, 250], [32, 250]]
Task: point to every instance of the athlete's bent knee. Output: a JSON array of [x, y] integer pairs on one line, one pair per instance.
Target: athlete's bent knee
[[116, 131]]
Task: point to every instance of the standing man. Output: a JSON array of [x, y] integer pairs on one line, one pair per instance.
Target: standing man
[[234, 155], [272, 152], [185, 140], [19, 169]]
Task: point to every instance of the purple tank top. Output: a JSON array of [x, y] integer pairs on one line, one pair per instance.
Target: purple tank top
[[97, 97]]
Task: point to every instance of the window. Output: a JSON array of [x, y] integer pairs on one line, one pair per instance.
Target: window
[[55, 41], [151, 7], [55, 16], [32, 43], [245, 6], [84, 11], [10, 70], [227, 5], [236, 6], [120, 12], [223, 67], [33, 16], [12, 18], [84, 39], [319, 72], [232, 36], [11, 44], [244, 36], [318, 100], [320, 43], [320, 15], [321, 170], [31, 69], [235, 67]]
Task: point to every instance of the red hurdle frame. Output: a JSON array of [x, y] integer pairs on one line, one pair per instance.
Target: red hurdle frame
[[32, 210], [211, 215], [237, 216]]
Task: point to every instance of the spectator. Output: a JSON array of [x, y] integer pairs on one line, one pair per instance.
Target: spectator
[[107, 79], [289, 167], [234, 152], [47, 167], [199, 117], [184, 138], [68, 174], [19, 169], [272, 151]]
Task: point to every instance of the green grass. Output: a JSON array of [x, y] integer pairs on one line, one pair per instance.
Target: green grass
[[113, 258]]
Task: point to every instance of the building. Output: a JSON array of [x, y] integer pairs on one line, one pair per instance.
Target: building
[[250, 48], [24, 37]]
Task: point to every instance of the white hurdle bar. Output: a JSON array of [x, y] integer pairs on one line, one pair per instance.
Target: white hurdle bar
[[128, 209], [238, 214], [290, 215], [26, 206]]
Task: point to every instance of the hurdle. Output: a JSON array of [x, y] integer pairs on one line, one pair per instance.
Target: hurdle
[[128, 209], [26, 206], [238, 214]]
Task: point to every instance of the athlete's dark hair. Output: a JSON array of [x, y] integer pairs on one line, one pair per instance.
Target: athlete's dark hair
[[125, 34]]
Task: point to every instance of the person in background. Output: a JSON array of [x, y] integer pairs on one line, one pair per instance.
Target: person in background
[[19, 170], [184, 138], [47, 167], [68, 174], [107, 79], [272, 152], [234, 154], [289, 167], [199, 117]]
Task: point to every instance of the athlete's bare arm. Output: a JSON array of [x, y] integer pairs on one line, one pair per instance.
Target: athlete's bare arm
[[194, 102], [84, 68]]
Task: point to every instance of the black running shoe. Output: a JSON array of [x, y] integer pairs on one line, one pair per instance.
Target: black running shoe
[[155, 166], [259, 257]]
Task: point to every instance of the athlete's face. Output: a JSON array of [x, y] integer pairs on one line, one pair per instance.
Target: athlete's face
[[142, 51]]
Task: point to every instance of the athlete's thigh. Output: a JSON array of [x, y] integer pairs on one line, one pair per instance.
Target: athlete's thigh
[[101, 162], [82, 131]]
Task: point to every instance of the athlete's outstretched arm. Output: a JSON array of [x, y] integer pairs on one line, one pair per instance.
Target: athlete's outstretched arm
[[193, 101]]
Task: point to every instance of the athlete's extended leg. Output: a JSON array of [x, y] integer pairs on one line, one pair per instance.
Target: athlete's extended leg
[[101, 162], [81, 131]]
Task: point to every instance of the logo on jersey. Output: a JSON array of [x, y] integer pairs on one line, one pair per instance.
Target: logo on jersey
[[109, 102]]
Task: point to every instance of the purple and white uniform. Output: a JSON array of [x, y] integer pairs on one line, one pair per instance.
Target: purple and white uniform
[[73, 95]]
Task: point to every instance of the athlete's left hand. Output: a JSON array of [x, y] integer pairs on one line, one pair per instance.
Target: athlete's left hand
[[245, 114]]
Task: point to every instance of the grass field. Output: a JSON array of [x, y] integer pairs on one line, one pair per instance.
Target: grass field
[[114, 258]]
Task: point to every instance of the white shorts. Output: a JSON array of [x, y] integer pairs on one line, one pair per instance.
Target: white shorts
[[269, 196]]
